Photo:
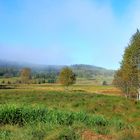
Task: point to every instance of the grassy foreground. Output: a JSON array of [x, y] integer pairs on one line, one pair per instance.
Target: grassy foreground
[[41, 113]]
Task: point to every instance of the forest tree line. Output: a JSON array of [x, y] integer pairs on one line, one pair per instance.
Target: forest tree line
[[51, 74]]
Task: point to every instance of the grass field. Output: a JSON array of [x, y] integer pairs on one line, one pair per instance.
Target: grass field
[[51, 112]]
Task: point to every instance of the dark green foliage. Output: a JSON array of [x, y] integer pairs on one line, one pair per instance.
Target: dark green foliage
[[7, 72], [21, 115], [46, 76], [104, 83], [97, 121], [52, 81]]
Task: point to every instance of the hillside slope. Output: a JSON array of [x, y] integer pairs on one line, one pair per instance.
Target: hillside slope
[[83, 72]]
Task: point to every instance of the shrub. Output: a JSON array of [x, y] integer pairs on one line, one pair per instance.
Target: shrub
[[8, 82]]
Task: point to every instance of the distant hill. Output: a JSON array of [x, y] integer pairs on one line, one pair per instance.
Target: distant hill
[[81, 70], [91, 71]]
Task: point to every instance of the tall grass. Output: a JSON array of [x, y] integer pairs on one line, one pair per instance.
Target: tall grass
[[22, 115], [12, 114], [42, 114]]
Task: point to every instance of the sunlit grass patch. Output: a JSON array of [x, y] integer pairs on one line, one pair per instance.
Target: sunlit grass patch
[[47, 113]]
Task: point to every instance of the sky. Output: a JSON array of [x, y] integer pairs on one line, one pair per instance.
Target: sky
[[65, 32]]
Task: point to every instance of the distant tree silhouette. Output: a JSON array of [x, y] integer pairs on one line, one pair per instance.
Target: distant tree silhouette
[[104, 83]]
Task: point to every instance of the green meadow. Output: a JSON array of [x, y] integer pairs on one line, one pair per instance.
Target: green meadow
[[80, 112]]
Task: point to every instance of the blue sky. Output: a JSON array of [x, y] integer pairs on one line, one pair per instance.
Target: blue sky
[[67, 31]]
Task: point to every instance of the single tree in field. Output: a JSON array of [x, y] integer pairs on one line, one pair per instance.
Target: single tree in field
[[104, 83], [67, 77], [127, 78], [25, 75]]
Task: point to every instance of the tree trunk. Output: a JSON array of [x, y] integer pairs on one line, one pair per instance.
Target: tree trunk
[[138, 95]]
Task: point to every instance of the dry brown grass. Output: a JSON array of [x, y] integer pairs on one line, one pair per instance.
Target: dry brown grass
[[89, 135], [106, 90]]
